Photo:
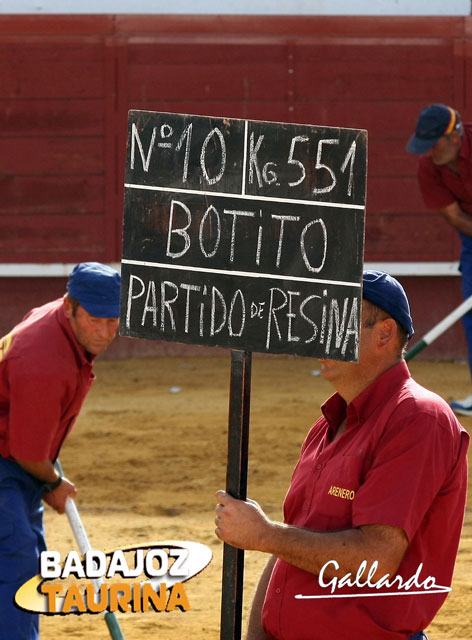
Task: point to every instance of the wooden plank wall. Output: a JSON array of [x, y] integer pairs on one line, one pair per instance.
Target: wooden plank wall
[[67, 82]]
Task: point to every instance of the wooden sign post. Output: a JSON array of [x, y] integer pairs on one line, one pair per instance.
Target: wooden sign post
[[236, 485], [246, 235]]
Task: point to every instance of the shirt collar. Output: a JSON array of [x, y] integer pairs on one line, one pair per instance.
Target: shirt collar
[[363, 405]]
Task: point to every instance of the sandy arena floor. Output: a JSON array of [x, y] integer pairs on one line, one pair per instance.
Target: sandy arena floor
[[148, 460]]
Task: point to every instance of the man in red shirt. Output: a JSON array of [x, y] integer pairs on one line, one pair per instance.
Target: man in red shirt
[[45, 373], [375, 505], [444, 145]]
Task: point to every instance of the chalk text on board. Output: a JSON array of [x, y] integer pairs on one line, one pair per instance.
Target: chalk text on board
[[166, 132], [261, 172], [269, 173], [243, 234], [211, 311], [182, 232]]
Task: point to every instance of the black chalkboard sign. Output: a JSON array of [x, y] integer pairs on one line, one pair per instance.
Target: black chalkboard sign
[[243, 234]]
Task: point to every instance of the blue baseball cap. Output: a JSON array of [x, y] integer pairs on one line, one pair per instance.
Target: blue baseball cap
[[434, 121], [96, 287], [386, 292]]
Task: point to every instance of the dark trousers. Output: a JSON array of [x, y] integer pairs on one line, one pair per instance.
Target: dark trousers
[[466, 270], [21, 542]]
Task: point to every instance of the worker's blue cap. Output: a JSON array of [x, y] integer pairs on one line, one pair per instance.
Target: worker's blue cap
[[96, 286], [385, 292], [434, 121]]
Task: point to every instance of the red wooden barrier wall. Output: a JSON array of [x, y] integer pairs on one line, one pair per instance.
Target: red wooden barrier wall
[[66, 83]]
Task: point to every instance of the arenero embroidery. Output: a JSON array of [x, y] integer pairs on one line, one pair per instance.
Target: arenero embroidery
[[340, 492]]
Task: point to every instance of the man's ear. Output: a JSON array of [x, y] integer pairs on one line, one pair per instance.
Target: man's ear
[[456, 138], [67, 306], [386, 331]]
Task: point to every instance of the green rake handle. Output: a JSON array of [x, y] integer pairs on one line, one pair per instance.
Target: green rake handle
[[83, 543], [440, 328]]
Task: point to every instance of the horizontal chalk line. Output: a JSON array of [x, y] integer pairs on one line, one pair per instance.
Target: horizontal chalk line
[[318, 203], [244, 274]]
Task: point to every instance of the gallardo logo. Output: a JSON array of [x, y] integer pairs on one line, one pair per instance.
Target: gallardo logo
[[81, 584], [402, 586]]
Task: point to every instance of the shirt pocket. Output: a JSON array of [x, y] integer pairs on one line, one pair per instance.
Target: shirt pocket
[[337, 490]]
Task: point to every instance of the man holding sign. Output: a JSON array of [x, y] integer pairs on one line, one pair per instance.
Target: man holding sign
[[379, 475]]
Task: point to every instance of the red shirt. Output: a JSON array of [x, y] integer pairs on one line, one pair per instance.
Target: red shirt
[[401, 462], [440, 186], [44, 378]]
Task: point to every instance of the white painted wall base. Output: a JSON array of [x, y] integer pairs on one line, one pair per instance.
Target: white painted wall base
[[244, 7], [62, 270]]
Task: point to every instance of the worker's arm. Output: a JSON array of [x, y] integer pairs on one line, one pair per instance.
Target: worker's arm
[[243, 524], [254, 629], [45, 471], [457, 218]]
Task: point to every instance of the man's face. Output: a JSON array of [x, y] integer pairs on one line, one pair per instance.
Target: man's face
[[337, 371], [93, 334], [445, 150]]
